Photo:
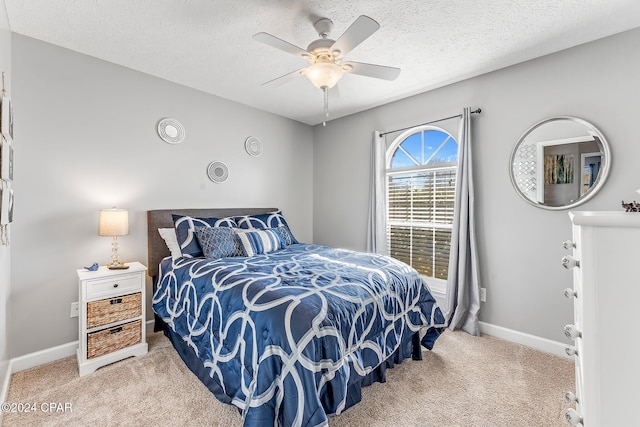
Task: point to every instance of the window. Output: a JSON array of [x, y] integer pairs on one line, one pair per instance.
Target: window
[[421, 185]]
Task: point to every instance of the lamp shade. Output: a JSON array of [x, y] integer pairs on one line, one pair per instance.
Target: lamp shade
[[324, 74], [113, 222]]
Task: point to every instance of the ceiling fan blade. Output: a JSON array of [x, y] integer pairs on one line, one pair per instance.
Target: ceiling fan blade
[[372, 70], [361, 29], [284, 78], [273, 41]]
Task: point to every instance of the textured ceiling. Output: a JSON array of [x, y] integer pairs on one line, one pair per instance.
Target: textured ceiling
[[207, 44]]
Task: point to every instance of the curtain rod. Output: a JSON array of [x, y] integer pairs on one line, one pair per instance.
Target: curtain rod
[[476, 111]]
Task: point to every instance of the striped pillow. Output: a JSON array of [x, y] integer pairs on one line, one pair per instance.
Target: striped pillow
[[268, 220], [256, 242]]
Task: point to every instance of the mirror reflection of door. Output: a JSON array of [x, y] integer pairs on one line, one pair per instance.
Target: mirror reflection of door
[[562, 175]]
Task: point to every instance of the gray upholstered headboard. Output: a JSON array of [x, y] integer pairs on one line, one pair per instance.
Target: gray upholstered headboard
[[161, 218]]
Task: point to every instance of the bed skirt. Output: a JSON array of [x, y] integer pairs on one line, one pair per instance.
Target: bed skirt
[[411, 348]]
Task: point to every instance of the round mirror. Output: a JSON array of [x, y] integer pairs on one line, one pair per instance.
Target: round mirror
[[560, 163]]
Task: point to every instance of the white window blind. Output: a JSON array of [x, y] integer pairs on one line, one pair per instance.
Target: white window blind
[[420, 201]]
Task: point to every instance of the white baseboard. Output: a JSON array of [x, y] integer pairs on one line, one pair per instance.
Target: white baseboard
[[43, 356], [52, 354], [65, 350], [542, 344]]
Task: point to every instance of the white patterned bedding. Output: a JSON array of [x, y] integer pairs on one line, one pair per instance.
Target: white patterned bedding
[[289, 337]]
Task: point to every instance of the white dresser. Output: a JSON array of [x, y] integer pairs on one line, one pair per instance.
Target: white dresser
[[605, 261]]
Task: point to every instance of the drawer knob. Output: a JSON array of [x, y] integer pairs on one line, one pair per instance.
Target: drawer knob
[[572, 332], [568, 244], [570, 293], [573, 417], [571, 397], [571, 351], [115, 285], [570, 262]]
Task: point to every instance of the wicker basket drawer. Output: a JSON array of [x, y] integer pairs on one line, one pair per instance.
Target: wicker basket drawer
[[105, 311], [113, 339]]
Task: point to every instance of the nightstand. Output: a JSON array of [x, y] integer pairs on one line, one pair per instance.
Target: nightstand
[[112, 320]]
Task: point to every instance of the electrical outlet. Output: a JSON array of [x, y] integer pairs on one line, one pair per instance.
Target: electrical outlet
[[74, 309], [483, 294]]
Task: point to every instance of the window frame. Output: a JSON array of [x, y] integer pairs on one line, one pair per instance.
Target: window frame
[[437, 285]]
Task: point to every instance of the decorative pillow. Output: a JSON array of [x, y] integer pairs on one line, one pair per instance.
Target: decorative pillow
[[218, 242], [268, 220], [169, 236], [187, 239], [256, 242], [287, 235]]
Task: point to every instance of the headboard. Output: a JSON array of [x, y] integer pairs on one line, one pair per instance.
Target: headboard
[[161, 218]]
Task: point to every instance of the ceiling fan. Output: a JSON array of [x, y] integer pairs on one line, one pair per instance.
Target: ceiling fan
[[326, 55]]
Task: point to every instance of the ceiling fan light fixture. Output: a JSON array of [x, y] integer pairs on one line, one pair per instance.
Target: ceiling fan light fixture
[[324, 74], [325, 56]]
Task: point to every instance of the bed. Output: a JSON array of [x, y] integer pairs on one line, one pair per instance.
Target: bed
[[290, 334]]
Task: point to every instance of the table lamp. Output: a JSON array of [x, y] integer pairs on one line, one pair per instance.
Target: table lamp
[[114, 222]]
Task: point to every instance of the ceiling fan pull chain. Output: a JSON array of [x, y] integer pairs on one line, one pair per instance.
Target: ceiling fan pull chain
[[326, 105]]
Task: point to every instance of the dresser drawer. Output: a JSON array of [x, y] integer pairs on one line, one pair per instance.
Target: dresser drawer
[[106, 287], [114, 309], [113, 339]]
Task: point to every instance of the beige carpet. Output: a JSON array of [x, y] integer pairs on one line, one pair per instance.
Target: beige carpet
[[465, 381]]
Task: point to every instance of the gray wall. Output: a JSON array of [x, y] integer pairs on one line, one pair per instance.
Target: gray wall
[[5, 253], [519, 244], [87, 140]]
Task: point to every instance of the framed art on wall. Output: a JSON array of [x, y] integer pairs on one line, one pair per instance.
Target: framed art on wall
[[6, 204], [6, 116], [558, 169], [6, 158], [6, 211], [11, 119], [6, 165]]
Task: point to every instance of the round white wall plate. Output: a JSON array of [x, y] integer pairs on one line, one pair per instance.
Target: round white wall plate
[[171, 131], [217, 172], [253, 145]]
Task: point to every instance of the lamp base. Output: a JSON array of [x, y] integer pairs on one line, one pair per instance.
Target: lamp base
[[117, 266]]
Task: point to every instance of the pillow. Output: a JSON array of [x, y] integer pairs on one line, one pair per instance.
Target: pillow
[[256, 242], [268, 220], [187, 240], [169, 236], [218, 242], [286, 235]]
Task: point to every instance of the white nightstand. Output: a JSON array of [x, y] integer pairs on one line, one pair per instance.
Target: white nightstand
[[112, 319]]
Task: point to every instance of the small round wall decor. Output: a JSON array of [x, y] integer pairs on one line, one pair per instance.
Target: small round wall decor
[[217, 172], [253, 145], [171, 131]]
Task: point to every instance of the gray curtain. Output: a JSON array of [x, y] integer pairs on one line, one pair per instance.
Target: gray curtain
[[376, 230], [463, 285]]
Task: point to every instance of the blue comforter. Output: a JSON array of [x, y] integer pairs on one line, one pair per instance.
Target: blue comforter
[[287, 334]]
